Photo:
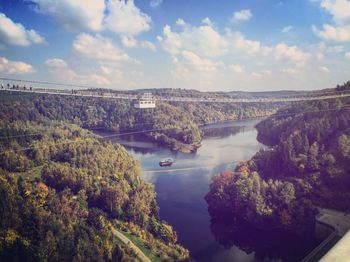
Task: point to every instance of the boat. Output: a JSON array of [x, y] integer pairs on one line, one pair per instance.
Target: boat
[[166, 162]]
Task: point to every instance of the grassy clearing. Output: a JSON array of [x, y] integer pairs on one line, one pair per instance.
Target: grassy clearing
[[141, 245]]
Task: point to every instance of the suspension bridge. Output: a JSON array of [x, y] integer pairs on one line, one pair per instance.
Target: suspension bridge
[[311, 96]]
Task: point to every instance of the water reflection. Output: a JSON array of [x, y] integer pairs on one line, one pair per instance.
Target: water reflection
[[272, 245], [181, 189], [221, 132]]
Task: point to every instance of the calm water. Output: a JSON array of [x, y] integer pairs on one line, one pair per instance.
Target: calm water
[[181, 189]]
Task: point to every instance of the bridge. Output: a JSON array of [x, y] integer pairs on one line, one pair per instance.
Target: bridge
[[122, 96]]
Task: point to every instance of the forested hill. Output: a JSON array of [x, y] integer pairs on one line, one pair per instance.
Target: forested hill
[[177, 123], [63, 193], [311, 142], [307, 165]]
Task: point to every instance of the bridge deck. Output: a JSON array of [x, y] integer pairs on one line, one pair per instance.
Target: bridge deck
[[67, 92]]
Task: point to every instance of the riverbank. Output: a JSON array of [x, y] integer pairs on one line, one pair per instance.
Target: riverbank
[[145, 140], [174, 144]]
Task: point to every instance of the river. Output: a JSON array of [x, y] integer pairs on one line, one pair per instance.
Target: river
[[181, 189]]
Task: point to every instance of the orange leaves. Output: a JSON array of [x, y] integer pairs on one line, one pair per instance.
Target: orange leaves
[[41, 190], [226, 175], [244, 169]]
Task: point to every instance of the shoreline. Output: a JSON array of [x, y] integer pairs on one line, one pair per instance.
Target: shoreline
[[175, 145]]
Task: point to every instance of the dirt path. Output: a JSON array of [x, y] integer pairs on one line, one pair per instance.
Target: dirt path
[[127, 241]]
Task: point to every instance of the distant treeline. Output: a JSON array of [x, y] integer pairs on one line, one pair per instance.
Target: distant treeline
[[344, 87], [176, 123]]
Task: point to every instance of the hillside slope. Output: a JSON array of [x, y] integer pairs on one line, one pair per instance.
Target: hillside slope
[[61, 190], [307, 165]]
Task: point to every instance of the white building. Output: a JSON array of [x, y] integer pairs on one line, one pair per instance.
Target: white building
[[145, 101]]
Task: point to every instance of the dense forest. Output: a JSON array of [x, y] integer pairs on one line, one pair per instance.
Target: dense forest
[[64, 193], [312, 146], [305, 166], [175, 124]]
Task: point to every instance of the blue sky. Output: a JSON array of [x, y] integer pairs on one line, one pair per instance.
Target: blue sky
[[249, 45]]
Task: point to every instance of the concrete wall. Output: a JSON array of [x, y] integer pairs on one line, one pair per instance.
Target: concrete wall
[[340, 252]]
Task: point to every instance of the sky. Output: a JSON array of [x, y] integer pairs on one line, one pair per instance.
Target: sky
[[208, 45]]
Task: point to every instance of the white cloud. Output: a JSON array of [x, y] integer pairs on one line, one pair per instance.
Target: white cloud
[[324, 69], [207, 21], [287, 29], [198, 63], [148, 45], [206, 41], [62, 72], [339, 9], [290, 71], [335, 49], [267, 72], [106, 70], [131, 42], [34, 37], [256, 75], [190, 78], [156, 3], [98, 48], [56, 62], [119, 16], [261, 74], [322, 50], [171, 41], [195, 71], [114, 74], [126, 19], [347, 56], [180, 22], [203, 40], [15, 33], [293, 53], [239, 42], [74, 15], [333, 33], [236, 68], [14, 67], [240, 16], [206, 53], [320, 56], [97, 61]]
